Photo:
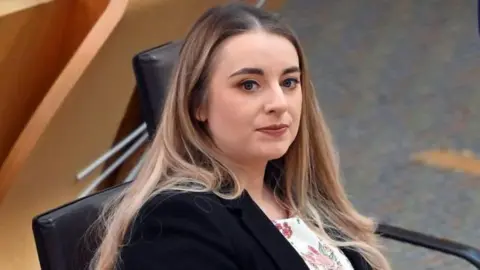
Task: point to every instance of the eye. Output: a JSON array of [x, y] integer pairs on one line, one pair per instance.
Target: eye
[[249, 85], [290, 83]]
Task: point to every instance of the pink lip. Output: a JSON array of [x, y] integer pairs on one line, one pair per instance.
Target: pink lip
[[274, 130]]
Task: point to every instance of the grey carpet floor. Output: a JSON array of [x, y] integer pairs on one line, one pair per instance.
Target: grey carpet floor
[[395, 78]]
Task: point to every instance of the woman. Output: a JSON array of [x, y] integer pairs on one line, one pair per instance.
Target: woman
[[241, 173]]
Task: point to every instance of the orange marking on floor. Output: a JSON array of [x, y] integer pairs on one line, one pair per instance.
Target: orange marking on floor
[[464, 161]]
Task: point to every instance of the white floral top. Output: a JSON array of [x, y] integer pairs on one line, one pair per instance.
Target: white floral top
[[317, 254]]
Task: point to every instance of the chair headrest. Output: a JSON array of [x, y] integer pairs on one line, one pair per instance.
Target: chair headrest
[[153, 69]]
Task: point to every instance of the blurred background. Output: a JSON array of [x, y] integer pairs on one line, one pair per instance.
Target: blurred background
[[398, 81]]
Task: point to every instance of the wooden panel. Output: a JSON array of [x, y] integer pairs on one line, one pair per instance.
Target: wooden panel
[[80, 117], [131, 120], [36, 45], [11, 6], [40, 54]]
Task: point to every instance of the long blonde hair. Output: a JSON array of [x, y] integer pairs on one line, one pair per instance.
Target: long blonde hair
[[182, 149]]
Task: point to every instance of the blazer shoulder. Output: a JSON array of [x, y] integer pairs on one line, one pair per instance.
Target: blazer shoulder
[[175, 225], [169, 201], [177, 206]]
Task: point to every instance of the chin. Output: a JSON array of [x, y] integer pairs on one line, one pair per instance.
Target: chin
[[270, 152]]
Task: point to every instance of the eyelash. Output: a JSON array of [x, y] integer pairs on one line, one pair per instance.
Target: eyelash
[[293, 80]]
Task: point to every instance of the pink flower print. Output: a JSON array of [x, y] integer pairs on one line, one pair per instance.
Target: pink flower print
[[278, 225], [285, 229], [316, 259]]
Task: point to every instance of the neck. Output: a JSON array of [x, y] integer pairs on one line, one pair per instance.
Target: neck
[[252, 177]]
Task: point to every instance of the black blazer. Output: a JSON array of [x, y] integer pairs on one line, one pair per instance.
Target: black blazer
[[201, 231]]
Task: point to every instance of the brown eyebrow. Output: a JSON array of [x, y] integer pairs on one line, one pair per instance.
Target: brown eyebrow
[[291, 70], [258, 71]]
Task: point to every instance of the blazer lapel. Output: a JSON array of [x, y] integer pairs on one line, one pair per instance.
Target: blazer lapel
[[267, 235], [357, 261]]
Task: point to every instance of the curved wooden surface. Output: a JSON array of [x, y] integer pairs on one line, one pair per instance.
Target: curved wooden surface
[[12, 6], [36, 45], [19, 199], [81, 114]]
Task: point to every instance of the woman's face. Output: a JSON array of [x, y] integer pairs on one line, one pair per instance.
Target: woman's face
[[254, 98]]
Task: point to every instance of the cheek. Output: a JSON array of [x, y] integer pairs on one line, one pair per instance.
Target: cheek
[[229, 118]]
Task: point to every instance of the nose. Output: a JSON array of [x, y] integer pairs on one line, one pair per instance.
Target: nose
[[276, 101]]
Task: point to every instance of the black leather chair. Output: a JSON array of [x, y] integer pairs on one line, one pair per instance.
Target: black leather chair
[[153, 70], [62, 236]]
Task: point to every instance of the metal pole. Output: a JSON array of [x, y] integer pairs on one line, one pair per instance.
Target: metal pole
[[95, 183], [134, 172], [82, 174]]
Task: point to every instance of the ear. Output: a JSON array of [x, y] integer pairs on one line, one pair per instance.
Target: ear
[[201, 113]]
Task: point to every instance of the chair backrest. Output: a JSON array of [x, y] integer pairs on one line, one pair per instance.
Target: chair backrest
[[153, 70], [62, 234]]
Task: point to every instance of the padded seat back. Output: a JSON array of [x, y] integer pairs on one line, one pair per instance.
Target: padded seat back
[[153, 69], [61, 234]]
